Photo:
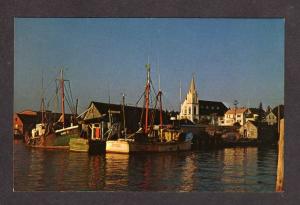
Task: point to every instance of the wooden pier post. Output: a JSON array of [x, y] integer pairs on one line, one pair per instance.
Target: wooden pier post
[[280, 164]]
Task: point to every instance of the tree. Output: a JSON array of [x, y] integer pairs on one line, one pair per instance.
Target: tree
[[261, 113]]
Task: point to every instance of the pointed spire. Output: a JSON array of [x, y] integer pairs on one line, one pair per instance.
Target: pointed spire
[[192, 86]]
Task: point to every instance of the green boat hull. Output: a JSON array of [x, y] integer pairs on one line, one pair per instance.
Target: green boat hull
[[64, 140]]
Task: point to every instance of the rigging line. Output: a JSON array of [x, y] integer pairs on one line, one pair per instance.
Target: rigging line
[[141, 118], [49, 101], [69, 103], [49, 84], [151, 99], [154, 112], [68, 99], [169, 102], [71, 94], [143, 94], [152, 86]]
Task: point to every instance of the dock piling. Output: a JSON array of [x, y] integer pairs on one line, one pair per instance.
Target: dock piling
[[280, 164]]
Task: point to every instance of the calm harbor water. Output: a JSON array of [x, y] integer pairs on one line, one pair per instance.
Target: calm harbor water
[[249, 169]]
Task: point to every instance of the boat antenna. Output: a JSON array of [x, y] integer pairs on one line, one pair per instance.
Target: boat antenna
[[109, 114], [158, 73], [62, 96], [147, 91], [179, 95], [180, 100], [108, 93], [159, 96]]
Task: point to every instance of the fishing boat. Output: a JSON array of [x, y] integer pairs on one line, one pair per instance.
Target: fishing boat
[[149, 137], [95, 132], [54, 135], [95, 144]]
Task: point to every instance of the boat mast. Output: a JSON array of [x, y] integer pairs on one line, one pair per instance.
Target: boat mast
[[62, 97], [43, 101], [179, 95], [147, 91], [160, 111], [159, 98], [123, 107], [76, 107]]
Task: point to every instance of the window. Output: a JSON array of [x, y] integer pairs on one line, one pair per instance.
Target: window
[[195, 111], [184, 110], [212, 107], [206, 106], [189, 110], [238, 115], [218, 107]]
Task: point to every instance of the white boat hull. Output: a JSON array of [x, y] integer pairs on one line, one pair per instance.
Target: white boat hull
[[124, 146]]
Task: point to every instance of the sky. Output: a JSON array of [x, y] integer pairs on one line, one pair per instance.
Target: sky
[[231, 59]]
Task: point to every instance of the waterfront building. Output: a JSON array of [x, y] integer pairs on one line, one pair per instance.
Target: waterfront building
[[272, 115], [211, 112], [257, 130], [26, 120], [249, 130], [253, 114], [190, 106], [23, 121], [235, 115], [107, 112]]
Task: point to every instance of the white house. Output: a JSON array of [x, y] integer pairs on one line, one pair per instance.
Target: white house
[[190, 106], [235, 115], [271, 118], [273, 115]]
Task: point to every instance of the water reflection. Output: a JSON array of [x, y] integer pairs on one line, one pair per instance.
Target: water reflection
[[233, 169]]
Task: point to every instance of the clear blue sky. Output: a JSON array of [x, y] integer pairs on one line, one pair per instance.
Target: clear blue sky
[[240, 59]]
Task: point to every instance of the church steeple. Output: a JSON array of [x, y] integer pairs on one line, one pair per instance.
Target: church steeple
[[192, 85], [190, 106]]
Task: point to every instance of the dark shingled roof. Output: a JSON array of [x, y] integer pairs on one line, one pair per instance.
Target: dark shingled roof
[[28, 119], [255, 111], [31, 120], [211, 104], [132, 114]]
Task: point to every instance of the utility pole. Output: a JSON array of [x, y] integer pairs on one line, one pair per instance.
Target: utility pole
[[235, 102]]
